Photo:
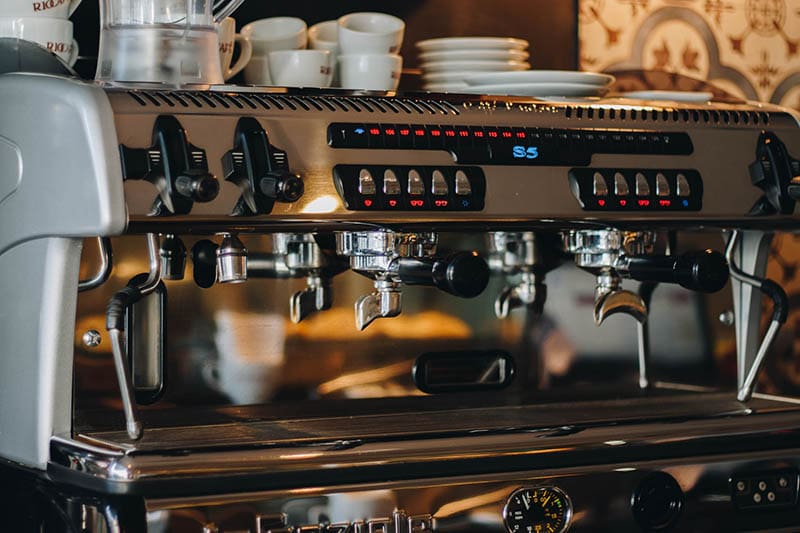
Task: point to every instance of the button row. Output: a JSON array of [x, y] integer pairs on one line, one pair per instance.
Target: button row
[[410, 188], [600, 185], [509, 145], [637, 190]]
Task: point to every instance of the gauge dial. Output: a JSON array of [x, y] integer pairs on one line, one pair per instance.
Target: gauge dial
[[537, 510]]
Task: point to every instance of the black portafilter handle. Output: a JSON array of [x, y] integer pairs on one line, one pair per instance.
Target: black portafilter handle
[[464, 274], [702, 271]]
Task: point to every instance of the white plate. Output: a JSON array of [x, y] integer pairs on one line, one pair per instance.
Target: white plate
[[463, 43], [445, 87], [674, 96], [543, 76], [537, 89], [449, 77], [461, 66], [474, 55]]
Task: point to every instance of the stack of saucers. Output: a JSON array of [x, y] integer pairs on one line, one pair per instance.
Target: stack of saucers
[[447, 62], [540, 83]]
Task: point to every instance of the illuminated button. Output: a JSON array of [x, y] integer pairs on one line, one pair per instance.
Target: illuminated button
[[620, 185], [416, 187], [642, 187], [391, 185], [366, 184], [662, 185], [463, 186], [438, 184], [683, 186], [599, 187]]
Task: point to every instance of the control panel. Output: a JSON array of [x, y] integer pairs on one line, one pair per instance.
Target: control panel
[[478, 145], [297, 156], [608, 189], [411, 188]]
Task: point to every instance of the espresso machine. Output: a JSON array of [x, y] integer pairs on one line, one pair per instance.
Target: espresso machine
[[178, 266]]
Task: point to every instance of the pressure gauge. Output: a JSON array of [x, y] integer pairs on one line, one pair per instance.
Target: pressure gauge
[[537, 510]]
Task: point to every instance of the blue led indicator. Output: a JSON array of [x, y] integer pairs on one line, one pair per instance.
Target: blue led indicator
[[360, 131], [525, 152], [685, 203], [465, 203]]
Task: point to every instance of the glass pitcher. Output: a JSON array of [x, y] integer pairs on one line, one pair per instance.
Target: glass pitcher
[[171, 42]]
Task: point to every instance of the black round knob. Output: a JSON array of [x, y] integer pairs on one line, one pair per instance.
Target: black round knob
[[204, 263], [463, 274], [657, 502], [705, 271], [199, 187], [282, 186]]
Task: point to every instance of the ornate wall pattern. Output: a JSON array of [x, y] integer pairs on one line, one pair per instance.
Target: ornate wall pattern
[[750, 48]]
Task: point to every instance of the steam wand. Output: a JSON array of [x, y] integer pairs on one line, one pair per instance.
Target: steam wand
[[780, 312], [115, 324]]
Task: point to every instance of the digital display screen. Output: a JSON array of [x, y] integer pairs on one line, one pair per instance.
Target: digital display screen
[[525, 152]]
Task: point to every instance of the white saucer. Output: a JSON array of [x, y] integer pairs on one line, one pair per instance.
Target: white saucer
[[537, 89], [449, 66], [474, 55], [674, 96], [542, 76], [449, 77], [445, 87], [463, 43]]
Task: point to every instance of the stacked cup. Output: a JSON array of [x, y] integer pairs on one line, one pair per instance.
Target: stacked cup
[[368, 46], [279, 55], [45, 22]]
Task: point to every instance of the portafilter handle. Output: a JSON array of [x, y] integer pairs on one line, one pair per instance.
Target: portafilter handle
[[463, 274], [703, 271]]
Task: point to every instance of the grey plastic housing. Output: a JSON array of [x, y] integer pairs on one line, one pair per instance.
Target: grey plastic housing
[[60, 181]]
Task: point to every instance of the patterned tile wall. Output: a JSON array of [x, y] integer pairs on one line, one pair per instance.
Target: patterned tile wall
[[749, 47]]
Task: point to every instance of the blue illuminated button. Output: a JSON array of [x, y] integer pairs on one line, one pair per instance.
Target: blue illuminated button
[[685, 203]]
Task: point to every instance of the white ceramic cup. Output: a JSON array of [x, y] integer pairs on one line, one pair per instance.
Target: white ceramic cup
[[276, 33], [53, 34], [300, 68], [39, 8], [269, 35], [325, 36], [370, 33], [250, 350], [372, 72], [228, 38]]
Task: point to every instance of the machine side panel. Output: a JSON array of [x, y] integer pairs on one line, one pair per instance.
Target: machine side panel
[[39, 291]]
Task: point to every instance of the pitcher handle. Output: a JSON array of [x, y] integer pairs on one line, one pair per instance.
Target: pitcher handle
[[224, 8], [245, 53]]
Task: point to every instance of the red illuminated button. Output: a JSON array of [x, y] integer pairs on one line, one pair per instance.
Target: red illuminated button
[[601, 202], [417, 203], [440, 203], [665, 203], [392, 203], [623, 203], [643, 203], [367, 202]]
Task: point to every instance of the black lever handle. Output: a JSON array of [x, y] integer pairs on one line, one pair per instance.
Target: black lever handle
[[704, 271], [464, 274]]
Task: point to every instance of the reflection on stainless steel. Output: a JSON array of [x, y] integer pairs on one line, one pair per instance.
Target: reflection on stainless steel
[[302, 418]]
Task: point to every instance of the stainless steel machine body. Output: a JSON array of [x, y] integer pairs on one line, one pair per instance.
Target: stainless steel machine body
[[380, 185]]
